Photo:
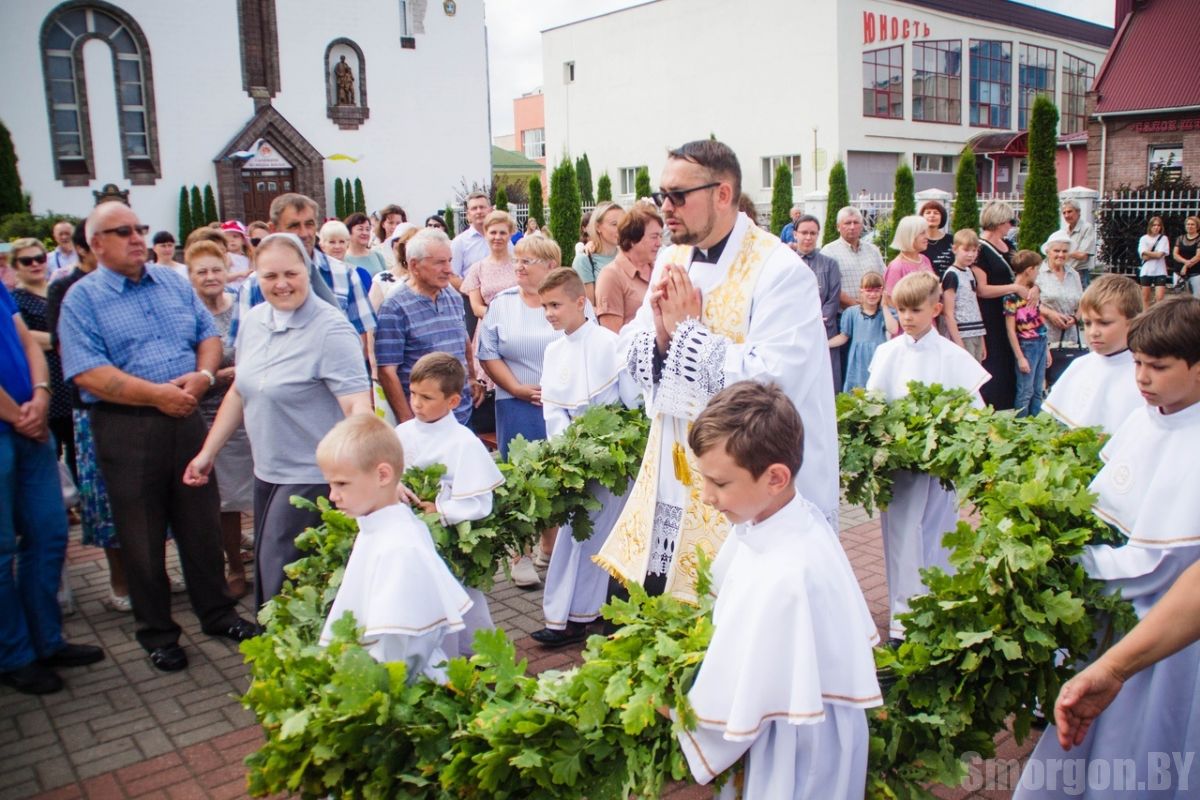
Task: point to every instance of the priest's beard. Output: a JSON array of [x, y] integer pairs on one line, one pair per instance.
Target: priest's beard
[[687, 235]]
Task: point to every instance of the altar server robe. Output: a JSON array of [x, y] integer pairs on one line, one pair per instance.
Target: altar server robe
[[1096, 391]]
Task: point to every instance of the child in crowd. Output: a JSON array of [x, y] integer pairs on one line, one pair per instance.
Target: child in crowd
[[1099, 388], [401, 594], [960, 315], [1027, 336], [581, 369], [1142, 492], [789, 670], [911, 239], [922, 511], [435, 436], [865, 326]]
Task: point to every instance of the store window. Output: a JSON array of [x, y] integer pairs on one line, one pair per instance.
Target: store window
[[937, 81], [883, 83], [771, 163], [1077, 77], [991, 84], [1167, 161], [1035, 70]]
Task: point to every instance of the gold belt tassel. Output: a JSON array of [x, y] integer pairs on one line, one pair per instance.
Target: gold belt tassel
[[683, 473]]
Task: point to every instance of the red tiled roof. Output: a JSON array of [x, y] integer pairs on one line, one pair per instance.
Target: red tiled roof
[[1154, 61]]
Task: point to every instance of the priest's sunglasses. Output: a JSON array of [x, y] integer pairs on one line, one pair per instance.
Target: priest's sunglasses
[[678, 196], [125, 231]]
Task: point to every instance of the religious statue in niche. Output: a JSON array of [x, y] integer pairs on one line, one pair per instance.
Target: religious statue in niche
[[343, 77]]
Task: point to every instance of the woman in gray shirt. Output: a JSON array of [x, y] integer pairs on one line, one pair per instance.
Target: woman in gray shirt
[[299, 372]]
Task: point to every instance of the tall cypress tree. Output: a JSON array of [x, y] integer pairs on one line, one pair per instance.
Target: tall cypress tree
[[185, 215], [339, 199], [536, 207], [448, 218], [641, 183], [905, 205], [360, 201], [198, 220], [966, 204], [839, 198], [565, 210], [1039, 218], [781, 198], [501, 199], [12, 201], [583, 173], [210, 204], [603, 188]]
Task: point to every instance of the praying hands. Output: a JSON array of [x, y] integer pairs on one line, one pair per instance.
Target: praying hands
[[674, 299]]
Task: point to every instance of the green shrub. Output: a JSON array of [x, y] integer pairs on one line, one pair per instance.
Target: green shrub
[[603, 188], [198, 220], [185, 215], [641, 184], [210, 205], [360, 201], [501, 199], [339, 199], [1039, 217], [565, 209], [781, 198], [839, 198], [12, 201], [448, 218], [537, 209], [966, 204]]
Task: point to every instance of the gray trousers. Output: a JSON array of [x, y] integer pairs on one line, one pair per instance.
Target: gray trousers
[[277, 523]]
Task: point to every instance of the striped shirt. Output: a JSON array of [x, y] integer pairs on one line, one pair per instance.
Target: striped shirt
[[347, 288], [854, 264], [149, 328], [411, 325]]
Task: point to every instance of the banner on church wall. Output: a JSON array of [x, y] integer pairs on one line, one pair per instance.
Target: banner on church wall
[[263, 155]]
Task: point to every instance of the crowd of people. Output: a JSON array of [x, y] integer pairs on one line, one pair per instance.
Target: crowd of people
[[294, 357]]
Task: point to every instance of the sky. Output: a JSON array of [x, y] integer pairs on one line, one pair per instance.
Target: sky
[[515, 41]]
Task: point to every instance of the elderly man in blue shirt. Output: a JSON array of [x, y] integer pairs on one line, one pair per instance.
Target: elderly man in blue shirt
[[140, 345]]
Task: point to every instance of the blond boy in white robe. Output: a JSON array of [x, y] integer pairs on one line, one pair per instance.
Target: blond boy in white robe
[[1099, 389], [435, 436], [789, 671], [922, 511], [579, 370], [400, 592], [1144, 492]]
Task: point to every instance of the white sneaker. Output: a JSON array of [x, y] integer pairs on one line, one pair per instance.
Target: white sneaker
[[524, 575], [541, 560]]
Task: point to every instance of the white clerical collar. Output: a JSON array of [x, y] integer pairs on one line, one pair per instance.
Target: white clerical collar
[[445, 422], [929, 340], [1179, 419], [579, 333]]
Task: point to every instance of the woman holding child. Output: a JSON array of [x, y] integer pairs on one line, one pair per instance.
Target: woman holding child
[[299, 372], [994, 279]]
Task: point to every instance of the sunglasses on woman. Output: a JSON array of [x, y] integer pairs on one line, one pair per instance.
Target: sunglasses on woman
[[29, 261]]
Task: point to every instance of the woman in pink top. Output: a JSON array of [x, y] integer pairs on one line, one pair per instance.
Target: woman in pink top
[[488, 277], [911, 239]]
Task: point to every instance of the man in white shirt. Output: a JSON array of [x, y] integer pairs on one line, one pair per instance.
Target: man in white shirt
[[470, 245], [62, 259]]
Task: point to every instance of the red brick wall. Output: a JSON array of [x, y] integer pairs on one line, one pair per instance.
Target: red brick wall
[[1129, 147]]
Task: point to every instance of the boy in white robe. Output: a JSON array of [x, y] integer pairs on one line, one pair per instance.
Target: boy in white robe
[[435, 436], [400, 592], [1143, 491], [1099, 389], [579, 370], [789, 671], [922, 511]]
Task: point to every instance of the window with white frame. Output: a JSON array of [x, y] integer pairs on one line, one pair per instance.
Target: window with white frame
[[533, 142], [629, 179], [771, 163], [932, 162], [1167, 159]]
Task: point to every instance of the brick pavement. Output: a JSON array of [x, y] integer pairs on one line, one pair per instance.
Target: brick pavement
[[121, 729]]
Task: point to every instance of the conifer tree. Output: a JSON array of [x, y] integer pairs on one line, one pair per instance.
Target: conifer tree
[[641, 184], [360, 202], [565, 210], [583, 173], [537, 209], [905, 193], [603, 188], [1039, 218], [198, 220], [966, 204], [501, 199], [210, 205], [839, 198], [185, 215], [339, 199], [781, 198], [12, 200], [448, 218]]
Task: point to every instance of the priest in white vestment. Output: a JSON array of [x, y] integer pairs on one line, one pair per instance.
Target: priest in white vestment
[[727, 302]]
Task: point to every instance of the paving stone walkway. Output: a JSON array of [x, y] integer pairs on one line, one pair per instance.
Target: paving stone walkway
[[122, 729]]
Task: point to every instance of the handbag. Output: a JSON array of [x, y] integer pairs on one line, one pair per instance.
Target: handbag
[[1063, 356]]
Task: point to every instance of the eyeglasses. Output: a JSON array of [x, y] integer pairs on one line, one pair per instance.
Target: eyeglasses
[[125, 231], [678, 196], [29, 261]]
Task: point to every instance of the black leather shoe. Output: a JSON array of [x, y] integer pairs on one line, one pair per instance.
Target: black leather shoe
[[33, 678], [73, 655], [573, 634], [169, 658], [239, 631]]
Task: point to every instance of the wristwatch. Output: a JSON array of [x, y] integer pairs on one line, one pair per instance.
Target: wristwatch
[[212, 379], [43, 385]]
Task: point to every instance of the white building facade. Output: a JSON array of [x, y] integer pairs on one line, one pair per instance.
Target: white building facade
[[873, 82], [250, 96]]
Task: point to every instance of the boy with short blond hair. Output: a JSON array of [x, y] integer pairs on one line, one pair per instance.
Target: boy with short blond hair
[[1099, 389], [1143, 492], [435, 436], [789, 670], [960, 315], [922, 510], [581, 369], [400, 592]]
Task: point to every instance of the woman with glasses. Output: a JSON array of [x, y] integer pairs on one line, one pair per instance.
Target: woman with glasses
[[29, 259], [603, 237]]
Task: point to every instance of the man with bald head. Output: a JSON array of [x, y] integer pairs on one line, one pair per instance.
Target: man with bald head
[[143, 349]]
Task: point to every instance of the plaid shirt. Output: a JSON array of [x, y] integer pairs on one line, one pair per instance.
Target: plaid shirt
[[351, 297], [853, 265]]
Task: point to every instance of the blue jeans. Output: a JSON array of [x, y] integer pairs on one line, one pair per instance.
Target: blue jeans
[[33, 543], [515, 416], [1030, 385]]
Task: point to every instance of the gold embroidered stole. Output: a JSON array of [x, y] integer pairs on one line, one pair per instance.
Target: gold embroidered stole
[[626, 552]]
